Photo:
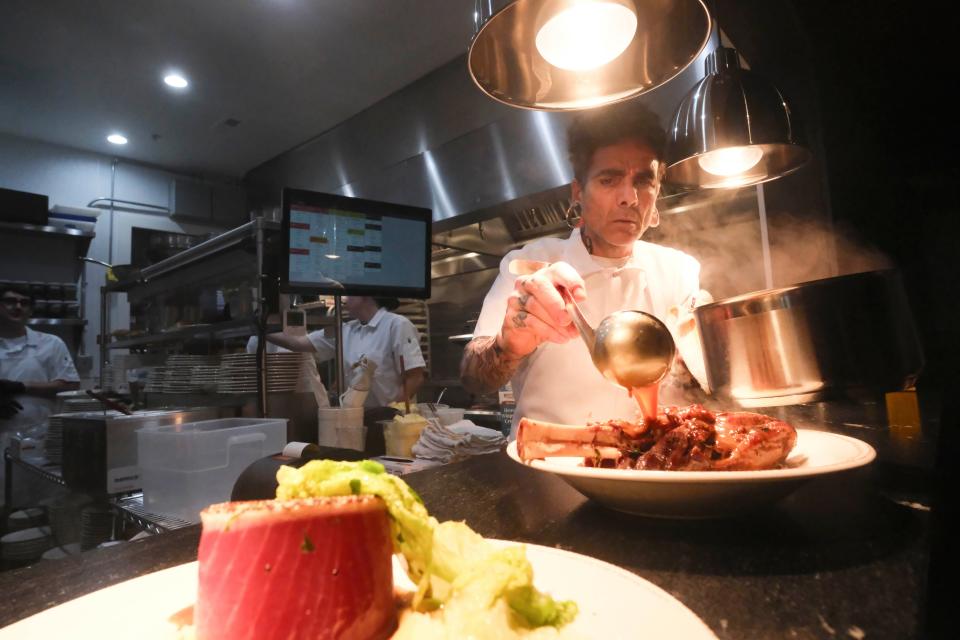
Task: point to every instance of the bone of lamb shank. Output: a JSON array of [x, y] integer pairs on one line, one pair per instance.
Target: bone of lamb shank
[[689, 438]]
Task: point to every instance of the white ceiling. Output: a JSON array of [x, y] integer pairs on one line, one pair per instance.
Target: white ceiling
[[73, 71]]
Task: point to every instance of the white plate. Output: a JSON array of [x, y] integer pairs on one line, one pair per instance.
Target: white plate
[[708, 494], [612, 602]]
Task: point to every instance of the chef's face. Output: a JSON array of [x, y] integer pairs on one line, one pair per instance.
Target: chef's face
[[15, 308], [619, 195], [353, 304]]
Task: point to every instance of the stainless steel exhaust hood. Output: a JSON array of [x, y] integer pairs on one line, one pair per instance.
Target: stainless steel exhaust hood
[[440, 143]]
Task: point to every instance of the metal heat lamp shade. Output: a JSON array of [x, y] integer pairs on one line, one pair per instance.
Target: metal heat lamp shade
[[733, 129], [558, 55]]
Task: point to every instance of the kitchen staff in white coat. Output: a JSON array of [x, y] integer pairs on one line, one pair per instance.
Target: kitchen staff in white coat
[[380, 335], [524, 333], [34, 368]]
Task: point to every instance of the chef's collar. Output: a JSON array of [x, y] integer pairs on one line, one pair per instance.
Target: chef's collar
[[575, 254], [32, 339], [377, 317]]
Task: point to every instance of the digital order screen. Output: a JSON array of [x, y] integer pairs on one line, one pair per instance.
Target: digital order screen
[[340, 249]]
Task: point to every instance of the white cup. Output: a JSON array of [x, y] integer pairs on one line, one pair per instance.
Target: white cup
[[353, 398], [330, 419], [352, 437]]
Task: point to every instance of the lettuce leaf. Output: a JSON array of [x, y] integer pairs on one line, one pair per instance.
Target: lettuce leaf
[[453, 566]]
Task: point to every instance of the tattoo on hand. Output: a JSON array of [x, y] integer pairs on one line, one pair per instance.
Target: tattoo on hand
[[519, 320], [486, 366], [523, 301]]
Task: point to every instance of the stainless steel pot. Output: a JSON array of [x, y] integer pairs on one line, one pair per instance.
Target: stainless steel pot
[[846, 336]]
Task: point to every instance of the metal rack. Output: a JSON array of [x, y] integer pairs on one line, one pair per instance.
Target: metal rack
[[224, 257], [49, 255], [130, 509]]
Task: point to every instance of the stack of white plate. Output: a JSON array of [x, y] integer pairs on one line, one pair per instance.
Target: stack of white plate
[[286, 372], [205, 377], [96, 525], [110, 543], [155, 380], [63, 514], [26, 518], [179, 375], [64, 551], [53, 441], [77, 405], [26, 545], [114, 378]]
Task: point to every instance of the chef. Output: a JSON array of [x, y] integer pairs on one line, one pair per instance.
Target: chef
[[524, 333], [34, 368], [387, 339]]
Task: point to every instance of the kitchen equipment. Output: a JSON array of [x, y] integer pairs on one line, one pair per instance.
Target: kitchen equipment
[[186, 467], [100, 447], [630, 348], [331, 421], [109, 403], [21, 206], [400, 436], [117, 272], [848, 335]]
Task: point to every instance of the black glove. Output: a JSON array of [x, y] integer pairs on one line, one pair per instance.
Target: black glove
[[9, 407], [12, 388]]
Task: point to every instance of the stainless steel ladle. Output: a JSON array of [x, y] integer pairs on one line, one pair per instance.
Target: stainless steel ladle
[[630, 348]]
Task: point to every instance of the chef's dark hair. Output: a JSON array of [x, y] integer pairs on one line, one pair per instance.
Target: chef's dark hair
[[387, 303], [601, 127], [12, 288]]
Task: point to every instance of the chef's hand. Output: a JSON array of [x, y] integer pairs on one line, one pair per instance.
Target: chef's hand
[[11, 388], [9, 407], [536, 311]]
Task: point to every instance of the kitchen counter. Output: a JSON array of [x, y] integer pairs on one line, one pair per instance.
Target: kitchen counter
[[842, 557]]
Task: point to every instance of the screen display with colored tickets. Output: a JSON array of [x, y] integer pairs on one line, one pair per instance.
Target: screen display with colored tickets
[[349, 246]]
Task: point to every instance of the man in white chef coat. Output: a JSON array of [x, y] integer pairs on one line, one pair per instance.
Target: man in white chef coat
[[524, 333], [385, 338], [34, 368]]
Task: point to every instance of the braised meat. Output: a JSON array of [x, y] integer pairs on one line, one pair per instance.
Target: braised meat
[[689, 438]]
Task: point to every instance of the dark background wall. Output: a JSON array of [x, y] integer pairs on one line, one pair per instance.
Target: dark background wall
[[870, 81], [874, 81]]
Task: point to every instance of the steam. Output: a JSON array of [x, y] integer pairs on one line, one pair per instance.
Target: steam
[[724, 234]]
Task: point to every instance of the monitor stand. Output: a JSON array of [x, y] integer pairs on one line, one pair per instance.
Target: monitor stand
[[338, 336]]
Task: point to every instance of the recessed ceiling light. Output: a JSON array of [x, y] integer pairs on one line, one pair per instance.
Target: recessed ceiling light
[[176, 81], [116, 138]]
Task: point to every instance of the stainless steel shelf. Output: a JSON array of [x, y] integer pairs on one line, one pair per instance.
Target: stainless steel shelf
[[241, 328], [219, 330], [50, 472], [214, 245], [63, 322], [33, 229], [131, 509]]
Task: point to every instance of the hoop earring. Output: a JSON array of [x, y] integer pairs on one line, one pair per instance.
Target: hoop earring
[[571, 217]]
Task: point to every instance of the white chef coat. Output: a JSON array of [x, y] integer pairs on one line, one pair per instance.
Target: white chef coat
[[384, 339], [35, 357], [254, 341], [559, 382]]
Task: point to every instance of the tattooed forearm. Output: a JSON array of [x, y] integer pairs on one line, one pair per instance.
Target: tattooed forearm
[[486, 366]]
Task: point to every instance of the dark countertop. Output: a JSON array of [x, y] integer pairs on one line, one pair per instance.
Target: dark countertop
[[844, 556]]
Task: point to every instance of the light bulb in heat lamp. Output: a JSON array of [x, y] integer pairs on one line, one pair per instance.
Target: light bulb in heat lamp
[[730, 161], [586, 35]]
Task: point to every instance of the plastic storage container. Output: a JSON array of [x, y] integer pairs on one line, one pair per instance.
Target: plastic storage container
[[399, 437], [184, 468]]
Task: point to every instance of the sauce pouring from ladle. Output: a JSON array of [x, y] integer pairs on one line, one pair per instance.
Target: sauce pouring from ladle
[[632, 349]]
